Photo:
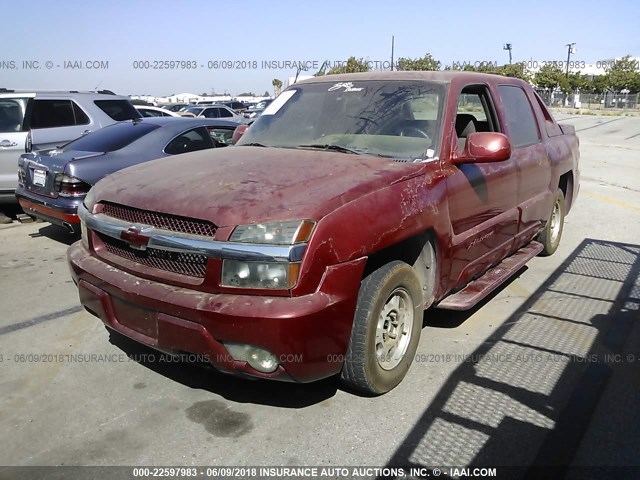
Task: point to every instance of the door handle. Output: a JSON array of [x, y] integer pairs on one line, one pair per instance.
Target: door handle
[[8, 143], [86, 132]]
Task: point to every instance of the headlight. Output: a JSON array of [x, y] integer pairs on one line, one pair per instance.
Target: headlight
[[236, 273], [275, 233]]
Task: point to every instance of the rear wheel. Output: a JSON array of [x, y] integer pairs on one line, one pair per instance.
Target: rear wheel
[[386, 329], [552, 233]]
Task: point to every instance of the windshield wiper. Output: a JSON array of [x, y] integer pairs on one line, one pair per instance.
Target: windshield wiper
[[253, 144], [331, 146]]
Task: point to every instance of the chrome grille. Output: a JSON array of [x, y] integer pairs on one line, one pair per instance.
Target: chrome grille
[[191, 264], [165, 221]]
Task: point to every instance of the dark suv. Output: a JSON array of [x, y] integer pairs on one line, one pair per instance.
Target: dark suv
[[40, 120]]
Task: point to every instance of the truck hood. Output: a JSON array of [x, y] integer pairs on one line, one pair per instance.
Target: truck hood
[[240, 185]]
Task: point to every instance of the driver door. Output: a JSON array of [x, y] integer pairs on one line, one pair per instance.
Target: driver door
[[483, 197]]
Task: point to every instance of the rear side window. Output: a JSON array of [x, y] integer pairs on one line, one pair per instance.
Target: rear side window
[[520, 117], [118, 110], [111, 138], [57, 113], [210, 113], [12, 114], [190, 141], [224, 113]]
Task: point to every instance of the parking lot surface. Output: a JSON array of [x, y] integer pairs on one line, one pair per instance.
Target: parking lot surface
[[545, 372]]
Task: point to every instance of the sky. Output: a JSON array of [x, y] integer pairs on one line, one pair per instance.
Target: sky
[[46, 43]]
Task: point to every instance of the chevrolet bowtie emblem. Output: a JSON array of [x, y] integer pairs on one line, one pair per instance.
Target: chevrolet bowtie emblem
[[135, 238]]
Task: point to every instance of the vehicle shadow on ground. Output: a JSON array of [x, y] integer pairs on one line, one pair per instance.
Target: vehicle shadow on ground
[[56, 233], [524, 400], [241, 390]]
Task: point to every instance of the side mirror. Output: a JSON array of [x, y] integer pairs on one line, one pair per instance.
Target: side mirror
[[482, 147]]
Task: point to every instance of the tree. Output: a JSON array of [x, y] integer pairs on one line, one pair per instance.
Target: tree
[[623, 75], [266, 93], [599, 84], [516, 70], [277, 86], [426, 63], [352, 65], [549, 77]]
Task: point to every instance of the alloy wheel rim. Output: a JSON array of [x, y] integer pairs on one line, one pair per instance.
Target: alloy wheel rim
[[556, 222], [394, 329]]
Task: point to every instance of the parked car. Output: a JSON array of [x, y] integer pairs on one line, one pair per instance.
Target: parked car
[[236, 106], [174, 107], [150, 111], [313, 246], [215, 111], [36, 120], [52, 183], [255, 111]]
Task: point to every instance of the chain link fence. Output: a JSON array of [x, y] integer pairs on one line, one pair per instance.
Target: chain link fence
[[592, 101]]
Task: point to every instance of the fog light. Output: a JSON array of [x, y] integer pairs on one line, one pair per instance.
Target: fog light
[[259, 358]]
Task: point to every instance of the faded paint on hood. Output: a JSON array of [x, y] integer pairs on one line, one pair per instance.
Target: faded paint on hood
[[239, 185]]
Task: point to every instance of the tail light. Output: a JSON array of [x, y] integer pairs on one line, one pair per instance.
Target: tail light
[[22, 174], [69, 186], [28, 143]]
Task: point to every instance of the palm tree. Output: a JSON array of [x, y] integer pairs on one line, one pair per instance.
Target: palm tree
[[277, 86]]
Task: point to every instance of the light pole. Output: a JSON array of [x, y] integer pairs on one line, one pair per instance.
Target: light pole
[[508, 46], [570, 49]]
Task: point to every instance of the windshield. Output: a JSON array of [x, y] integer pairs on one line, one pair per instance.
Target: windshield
[[399, 119]]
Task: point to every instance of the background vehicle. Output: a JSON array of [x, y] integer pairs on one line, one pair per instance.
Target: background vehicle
[[254, 111], [351, 205], [150, 111], [52, 183], [173, 107], [236, 106], [37, 120], [215, 111]]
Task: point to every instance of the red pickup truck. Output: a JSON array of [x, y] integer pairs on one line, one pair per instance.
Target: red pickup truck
[[313, 247]]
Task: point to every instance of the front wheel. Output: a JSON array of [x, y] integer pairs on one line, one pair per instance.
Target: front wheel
[[552, 233], [386, 329]]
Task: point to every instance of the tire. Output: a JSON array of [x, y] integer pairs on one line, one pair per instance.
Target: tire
[[552, 233], [376, 361]]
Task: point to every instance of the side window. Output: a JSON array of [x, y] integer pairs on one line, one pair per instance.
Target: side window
[[475, 113], [210, 113], [550, 125], [12, 111], [118, 110], [81, 117], [520, 117], [189, 141], [53, 113], [224, 113]]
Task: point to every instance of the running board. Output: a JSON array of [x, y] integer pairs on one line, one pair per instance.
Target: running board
[[479, 288]]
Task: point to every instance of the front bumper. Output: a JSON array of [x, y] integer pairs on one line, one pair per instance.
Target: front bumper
[[308, 335], [59, 211]]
